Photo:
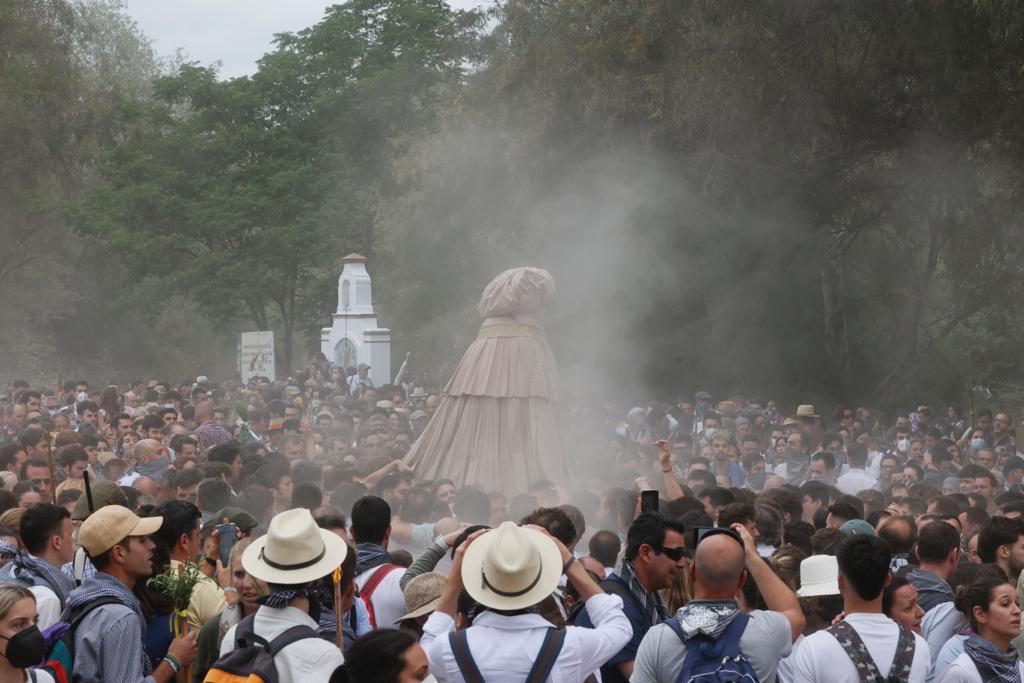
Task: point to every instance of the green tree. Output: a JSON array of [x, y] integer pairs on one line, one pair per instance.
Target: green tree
[[71, 74], [244, 194]]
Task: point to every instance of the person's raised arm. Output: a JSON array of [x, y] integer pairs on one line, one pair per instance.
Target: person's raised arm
[[448, 603], [777, 595], [370, 480], [672, 488]]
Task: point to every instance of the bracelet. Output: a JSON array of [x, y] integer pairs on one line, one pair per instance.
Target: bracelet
[[667, 471], [172, 662], [565, 569], [229, 589]]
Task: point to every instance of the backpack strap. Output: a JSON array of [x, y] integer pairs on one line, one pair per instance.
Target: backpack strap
[[852, 644], [904, 659], [460, 648], [375, 579], [78, 566], [75, 616], [245, 633], [366, 592], [292, 635], [676, 627], [554, 639]]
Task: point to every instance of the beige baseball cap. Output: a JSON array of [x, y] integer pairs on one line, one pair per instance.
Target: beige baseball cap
[[110, 525]]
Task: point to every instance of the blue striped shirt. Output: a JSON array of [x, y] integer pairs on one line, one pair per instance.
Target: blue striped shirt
[[108, 644]]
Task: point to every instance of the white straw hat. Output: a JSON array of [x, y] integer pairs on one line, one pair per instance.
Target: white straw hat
[[511, 567], [819, 575], [294, 550]]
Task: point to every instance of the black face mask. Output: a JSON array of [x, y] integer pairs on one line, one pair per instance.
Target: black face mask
[[26, 648]]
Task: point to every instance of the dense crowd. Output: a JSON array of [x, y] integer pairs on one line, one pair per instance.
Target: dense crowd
[[154, 531]]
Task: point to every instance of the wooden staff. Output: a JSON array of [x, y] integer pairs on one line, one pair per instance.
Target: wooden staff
[[339, 636]]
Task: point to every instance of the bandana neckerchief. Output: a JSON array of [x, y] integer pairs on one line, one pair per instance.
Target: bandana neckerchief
[[61, 584], [796, 466], [370, 556], [931, 590], [993, 665], [706, 617], [283, 598], [651, 603]]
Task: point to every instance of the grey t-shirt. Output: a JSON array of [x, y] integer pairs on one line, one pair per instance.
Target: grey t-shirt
[[766, 640]]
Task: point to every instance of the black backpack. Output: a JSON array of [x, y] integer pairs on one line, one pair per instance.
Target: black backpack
[[252, 660]]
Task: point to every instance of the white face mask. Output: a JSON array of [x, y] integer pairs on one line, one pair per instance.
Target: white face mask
[[709, 433], [903, 445]]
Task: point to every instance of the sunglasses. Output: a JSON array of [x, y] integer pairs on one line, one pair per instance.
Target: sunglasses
[[674, 554]]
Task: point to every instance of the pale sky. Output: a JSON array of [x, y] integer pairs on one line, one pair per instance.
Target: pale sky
[[233, 32]]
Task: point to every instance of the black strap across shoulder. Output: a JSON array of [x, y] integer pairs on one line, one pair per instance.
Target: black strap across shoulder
[[292, 635], [74, 616], [554, 639], [246, 636], [460, 648]]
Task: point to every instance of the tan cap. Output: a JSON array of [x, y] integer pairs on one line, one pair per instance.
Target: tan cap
[[110, 525]]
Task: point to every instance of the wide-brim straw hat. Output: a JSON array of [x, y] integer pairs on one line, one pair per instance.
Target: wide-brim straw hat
[[422, 595], [294, 550], [511, 567]]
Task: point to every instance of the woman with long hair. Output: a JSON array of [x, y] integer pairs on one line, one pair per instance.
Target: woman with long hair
[[242, 593], [990, 603], [21, 643]]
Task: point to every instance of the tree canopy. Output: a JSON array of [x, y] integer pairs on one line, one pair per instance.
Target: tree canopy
[[810, 199]]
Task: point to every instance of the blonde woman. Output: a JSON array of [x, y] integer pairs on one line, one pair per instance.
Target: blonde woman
[[242, 593], [21, 643]]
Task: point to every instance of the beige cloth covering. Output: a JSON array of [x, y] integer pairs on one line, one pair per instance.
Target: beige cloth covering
[[499, 422]]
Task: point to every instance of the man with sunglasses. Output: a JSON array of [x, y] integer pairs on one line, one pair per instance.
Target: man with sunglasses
[[654, 552], [722, 561]]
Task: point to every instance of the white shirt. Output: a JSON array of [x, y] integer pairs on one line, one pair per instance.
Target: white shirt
[[962, 670], [48, 606], [784, 673], [855, 481], [310, 659], [822, 658], [504, 648], [388, 600]]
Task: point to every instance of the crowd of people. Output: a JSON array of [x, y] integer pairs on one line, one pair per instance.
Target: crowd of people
[[702, 541]]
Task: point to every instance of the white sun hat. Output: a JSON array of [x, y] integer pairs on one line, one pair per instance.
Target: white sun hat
[[294, 550], [819, 575], [511, 567]]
